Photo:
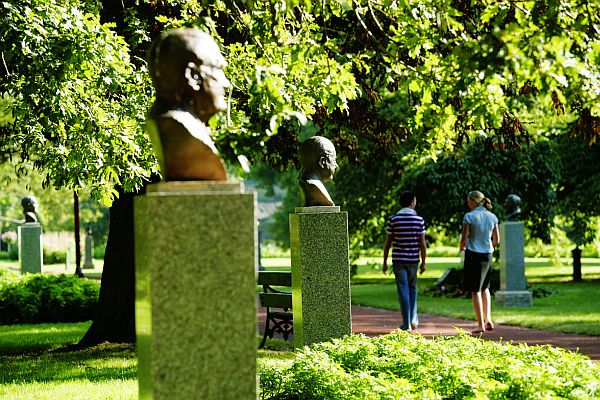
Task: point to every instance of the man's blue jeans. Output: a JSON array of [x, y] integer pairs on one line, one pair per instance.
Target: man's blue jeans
[[406, 283]]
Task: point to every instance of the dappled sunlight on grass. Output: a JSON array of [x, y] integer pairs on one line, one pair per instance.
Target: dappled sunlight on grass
[[276, 263], [36, 365], [114, 389], [47, 328], [26, 338], [92, 373], [55, 269], [542, 270]]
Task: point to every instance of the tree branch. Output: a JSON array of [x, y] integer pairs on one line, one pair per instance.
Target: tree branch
[[5, 66], [362, 22]]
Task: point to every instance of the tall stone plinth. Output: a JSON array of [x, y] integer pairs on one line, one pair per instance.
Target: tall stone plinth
[[195, 253], [31, 254], [513, 284], [320, 274], [89, 252]]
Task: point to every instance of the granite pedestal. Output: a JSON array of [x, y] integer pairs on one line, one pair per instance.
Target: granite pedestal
[[513, 284], [195, 247], [31, 254], [320, 274], [89, 252]]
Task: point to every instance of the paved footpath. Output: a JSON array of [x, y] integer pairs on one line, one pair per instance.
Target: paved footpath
[[374, 322]]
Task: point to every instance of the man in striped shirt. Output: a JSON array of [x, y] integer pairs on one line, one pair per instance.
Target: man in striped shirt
[[406, 234]]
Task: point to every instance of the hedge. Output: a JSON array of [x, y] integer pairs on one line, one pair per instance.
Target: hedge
[[402, 365], [37, 298]]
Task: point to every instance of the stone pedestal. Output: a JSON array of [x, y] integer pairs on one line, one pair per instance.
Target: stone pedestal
[[514, 298], [320, 274], [513, 284], [195, 252], [31, 254], [88, 252]]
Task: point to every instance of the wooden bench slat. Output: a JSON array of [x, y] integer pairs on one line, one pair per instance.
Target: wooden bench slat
[[278, 300], [275, 278]]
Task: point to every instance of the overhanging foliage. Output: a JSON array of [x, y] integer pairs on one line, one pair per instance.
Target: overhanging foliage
[[76, 102]]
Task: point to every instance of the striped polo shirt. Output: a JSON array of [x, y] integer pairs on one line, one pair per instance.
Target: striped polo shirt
[[405, 228]]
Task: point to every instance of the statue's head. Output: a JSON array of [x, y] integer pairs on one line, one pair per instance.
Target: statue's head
[[29, 204], [512, 202], [317, 156], [30, 208], [186, 67]]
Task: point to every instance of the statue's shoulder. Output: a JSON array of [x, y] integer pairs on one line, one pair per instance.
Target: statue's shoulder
[[312, 184], [315, 193], [187, 124]]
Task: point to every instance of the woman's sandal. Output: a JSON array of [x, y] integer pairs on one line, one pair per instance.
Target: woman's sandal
[[477, 330], [489, 326]]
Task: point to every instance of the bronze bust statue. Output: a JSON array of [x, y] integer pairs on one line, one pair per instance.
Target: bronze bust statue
[[318, 163], [30, 208], [186, 67], [513, 211]]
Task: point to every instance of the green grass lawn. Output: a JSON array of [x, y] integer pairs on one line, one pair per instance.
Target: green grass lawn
[[91, 273], [35, 365]]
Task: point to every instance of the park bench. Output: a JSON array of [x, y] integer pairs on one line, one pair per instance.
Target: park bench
[[277, 302]]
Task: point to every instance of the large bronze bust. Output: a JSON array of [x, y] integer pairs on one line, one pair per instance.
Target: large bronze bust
[[318, 163], [30, 208], [186, 67]]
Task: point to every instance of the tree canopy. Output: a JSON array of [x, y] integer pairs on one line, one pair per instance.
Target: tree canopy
[[74, 103], [383, 79]]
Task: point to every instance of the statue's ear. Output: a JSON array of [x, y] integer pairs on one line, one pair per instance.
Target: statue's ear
[[193, 76], [322, 162]]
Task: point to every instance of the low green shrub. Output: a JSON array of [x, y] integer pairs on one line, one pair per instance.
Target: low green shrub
[[40, 298], [98, 252], [401, 365], [54, 257]]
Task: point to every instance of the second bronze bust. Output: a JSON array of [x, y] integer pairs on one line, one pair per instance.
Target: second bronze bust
[[186, 67], [318, 159]]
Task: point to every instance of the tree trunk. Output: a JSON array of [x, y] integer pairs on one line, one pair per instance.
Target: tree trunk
[[78, 270], [576, 252], [115, 315]]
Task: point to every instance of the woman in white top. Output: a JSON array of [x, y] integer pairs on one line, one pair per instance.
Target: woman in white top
[[479, 237]]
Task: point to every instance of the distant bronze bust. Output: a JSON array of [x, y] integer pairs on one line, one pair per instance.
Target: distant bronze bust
[[318, 159], [30, 208], [513, 211], [186, 67]]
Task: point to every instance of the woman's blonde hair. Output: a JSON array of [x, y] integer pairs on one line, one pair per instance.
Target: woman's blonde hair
[[479, 198]]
